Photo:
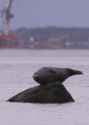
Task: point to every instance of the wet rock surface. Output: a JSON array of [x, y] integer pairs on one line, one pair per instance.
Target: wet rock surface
[[52, 93]]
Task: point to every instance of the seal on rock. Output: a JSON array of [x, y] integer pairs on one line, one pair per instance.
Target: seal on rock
[[50, 89]]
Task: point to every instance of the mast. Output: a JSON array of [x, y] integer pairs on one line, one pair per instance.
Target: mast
[[7, 16]]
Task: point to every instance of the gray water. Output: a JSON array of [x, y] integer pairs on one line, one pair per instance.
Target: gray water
[[16, 69]]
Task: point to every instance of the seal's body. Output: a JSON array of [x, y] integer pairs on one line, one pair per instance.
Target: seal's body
[[47, 75]]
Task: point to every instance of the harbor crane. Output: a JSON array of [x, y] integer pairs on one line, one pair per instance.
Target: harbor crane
[[6, 16]]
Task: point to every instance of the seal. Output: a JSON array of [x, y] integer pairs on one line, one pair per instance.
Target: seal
[[47, 75], [50, 88]]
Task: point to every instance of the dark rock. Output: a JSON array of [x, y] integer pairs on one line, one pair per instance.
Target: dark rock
[[51, 93], [50, 89], [52, 74]]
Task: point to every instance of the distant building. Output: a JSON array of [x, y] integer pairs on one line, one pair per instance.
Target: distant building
[[51, 43], [77, 44]]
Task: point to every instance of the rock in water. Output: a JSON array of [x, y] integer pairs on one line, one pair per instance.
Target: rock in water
[[50, 89], [47, 75], [51, 93]]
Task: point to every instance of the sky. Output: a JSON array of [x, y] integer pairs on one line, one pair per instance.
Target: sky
[[35, 13]]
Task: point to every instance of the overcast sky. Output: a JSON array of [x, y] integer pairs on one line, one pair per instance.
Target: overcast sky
[[34, 13]]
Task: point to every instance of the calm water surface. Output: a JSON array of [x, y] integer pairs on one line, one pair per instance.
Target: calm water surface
[[16, 69]]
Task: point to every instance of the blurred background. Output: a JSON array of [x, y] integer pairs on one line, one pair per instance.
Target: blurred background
[[44, 24]]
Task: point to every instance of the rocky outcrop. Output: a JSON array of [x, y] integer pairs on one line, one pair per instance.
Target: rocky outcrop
[[50, 89]]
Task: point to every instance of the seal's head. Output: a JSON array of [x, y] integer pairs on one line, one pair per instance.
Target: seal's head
[[73, 72]]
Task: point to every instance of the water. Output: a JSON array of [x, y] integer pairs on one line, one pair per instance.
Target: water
[[16, 69]]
